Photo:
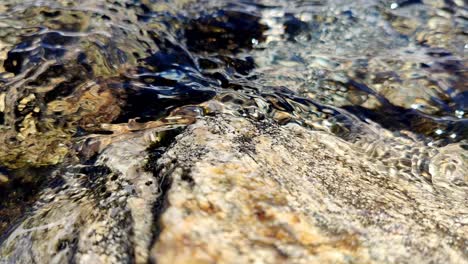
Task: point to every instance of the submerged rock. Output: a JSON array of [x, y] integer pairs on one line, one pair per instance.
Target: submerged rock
[[91, 213], [234, 190]]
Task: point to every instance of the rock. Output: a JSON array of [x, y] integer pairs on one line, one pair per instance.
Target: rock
[[3, 179], [90, 213], [234, 190], [247, 192]]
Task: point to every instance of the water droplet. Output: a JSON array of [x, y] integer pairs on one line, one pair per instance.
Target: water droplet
[[459, 113], [394, 6], [415, 106]]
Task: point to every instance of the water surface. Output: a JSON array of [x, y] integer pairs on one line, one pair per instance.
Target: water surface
[[388, 77]]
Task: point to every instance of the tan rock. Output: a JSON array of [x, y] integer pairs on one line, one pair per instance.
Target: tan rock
[[266, 194], [233, 190]]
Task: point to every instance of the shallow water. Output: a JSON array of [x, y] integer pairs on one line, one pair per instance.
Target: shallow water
[[389, 78]]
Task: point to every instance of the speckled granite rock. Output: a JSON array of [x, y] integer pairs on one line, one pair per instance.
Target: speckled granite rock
[[233, 190], [245, 192]]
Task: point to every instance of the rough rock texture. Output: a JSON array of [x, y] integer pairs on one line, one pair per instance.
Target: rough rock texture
[[233, 190], [99, 213], [245, 192]]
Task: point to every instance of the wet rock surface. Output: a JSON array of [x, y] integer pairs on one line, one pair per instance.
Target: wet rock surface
[[252, 191], [230, 190]]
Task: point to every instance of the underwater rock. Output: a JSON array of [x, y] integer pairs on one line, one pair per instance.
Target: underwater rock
[[233, 190], [98, 213], [224, 31]]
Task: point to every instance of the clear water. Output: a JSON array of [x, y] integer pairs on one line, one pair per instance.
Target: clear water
[[388, 77]]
